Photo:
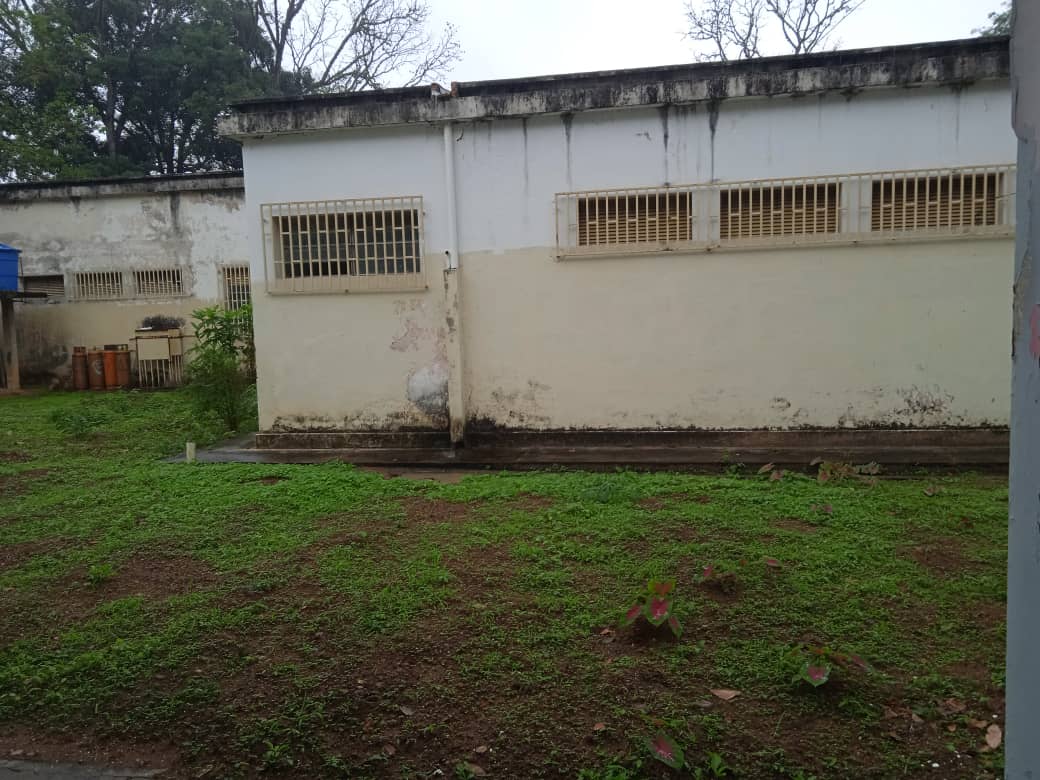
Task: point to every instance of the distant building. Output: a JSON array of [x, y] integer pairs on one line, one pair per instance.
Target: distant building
[[807, 241], [109, 253]]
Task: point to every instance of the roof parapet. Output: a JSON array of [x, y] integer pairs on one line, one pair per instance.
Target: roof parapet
[[952, 63]]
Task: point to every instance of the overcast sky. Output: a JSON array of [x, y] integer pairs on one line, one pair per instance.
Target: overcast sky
[[509, 38]]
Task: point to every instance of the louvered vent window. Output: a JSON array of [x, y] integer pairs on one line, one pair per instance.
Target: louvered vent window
[[803, 209], [650, 217], [47, 284], [952, 201]]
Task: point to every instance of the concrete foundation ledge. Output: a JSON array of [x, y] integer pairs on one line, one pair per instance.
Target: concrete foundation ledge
[[950, 447], [338, 440]]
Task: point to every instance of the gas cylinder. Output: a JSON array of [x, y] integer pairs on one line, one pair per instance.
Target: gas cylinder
[[123, 366], [96, 369], [79, 368]]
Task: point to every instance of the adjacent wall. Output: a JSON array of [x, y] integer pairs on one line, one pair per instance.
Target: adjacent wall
[[196, 223], [896, 334]]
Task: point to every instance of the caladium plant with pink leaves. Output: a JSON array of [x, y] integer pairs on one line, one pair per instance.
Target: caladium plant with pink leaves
[[654, 605], [666, 750], [816, 663]]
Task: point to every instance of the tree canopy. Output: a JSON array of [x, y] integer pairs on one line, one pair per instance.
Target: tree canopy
[[732, 28], [94, 88], [999, 22]]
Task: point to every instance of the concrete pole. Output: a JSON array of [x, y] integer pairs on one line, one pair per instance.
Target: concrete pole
[[9, 345], [1022, 733]]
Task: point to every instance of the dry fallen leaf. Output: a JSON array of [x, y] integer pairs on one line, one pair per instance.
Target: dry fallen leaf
[[406, 710], [599, 727], [994, 736], [475, 770], [776, 476], [916, 718], [952, 707], [951, 727], [766, 468], [977, 724], [725, 694], [389, 749], [481, 749]]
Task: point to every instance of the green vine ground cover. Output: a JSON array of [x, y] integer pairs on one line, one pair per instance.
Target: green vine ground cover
[[324, 621]]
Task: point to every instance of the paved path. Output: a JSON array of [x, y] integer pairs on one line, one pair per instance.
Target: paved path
[[38, 770]]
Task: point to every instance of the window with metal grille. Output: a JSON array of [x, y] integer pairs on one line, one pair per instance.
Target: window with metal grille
[[98, 285], [235, 286], [366, 244], [158, 283], [770, 211], [957, 199], [48, 284], [624, 218]]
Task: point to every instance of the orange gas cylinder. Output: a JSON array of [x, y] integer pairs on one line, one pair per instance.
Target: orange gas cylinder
[[79, 368], [96, 369], [108, 358], [123, 366]]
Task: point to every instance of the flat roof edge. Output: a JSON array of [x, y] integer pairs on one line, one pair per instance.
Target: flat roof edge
[[139, 185], [957, 62]]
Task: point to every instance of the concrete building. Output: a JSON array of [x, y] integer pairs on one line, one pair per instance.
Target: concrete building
[[822, 241], [110, 253]]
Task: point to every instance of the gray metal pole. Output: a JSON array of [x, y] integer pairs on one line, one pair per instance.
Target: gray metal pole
[[1023, 617]]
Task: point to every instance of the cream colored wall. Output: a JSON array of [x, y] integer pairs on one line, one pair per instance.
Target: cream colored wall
[[913, 334], [352, 362]]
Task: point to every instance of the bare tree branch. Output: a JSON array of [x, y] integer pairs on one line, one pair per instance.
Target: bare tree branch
[[733, 28], [355, 44]]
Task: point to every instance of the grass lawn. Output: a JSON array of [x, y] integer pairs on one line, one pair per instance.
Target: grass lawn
[[325, 621]]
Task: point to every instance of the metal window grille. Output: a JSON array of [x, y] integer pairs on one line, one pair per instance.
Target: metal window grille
[[235, 286], [848, 208], [49, 284], [158, 283], [98, 285], [635, 217], [770, 210], [368, 244], [953, 201]]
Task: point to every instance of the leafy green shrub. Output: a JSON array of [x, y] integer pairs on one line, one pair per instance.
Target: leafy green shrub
[[221, 374], [218, 383], [79, 421], [100, 573]]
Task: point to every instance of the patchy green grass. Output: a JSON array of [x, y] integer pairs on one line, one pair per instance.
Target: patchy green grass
[[236, 620]]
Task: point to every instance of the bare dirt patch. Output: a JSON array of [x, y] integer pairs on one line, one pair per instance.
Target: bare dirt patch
[[942, 555], [14, 555], [14, 457], [724, 587], [17, 484], [795, 524], [149, 576], [419, 510]]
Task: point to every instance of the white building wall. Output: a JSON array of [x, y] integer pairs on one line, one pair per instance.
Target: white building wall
[[910, 333]]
